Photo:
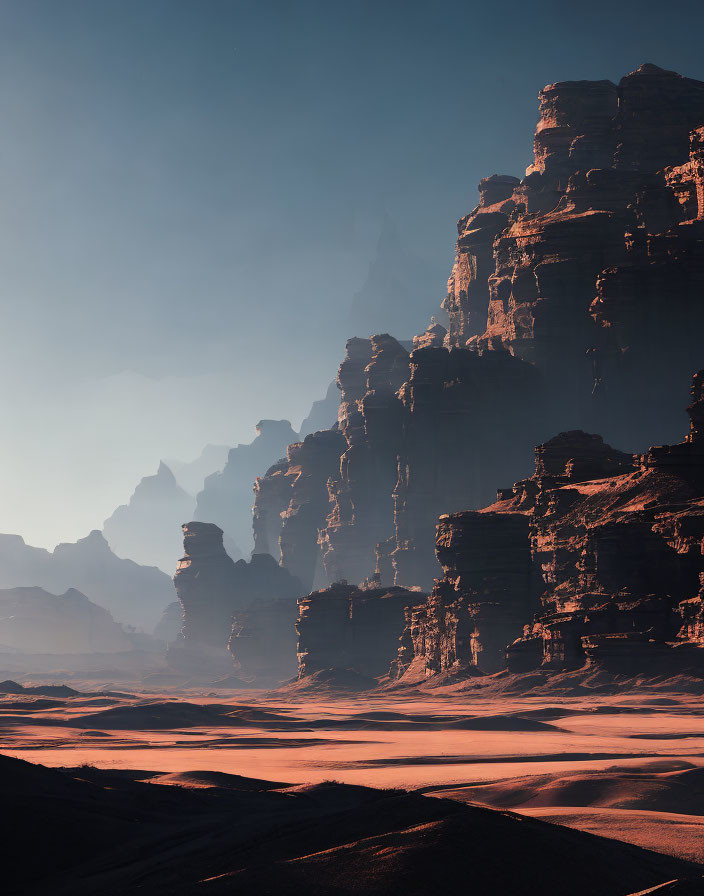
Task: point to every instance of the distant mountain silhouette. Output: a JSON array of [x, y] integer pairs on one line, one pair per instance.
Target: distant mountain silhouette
[[399, 294], [192, 475], [34, 621], [148, 529], [134, 595], [227, 497], [323, 413]]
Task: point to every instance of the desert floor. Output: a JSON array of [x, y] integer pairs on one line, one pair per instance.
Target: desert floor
[[627, 766]]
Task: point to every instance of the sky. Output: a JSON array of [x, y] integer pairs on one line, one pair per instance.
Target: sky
[[191, 192]]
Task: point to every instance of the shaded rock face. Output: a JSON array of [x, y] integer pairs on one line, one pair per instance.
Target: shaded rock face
[[169, 626], [248, 606], [573, 304], [595, 257], [609, 547], [263, 642], [349, 627], [481, 602], [34, 621], [371, 422], [143, 530], [134, 595], [291, 503], [226, 498], [466, 421], [205, 584]]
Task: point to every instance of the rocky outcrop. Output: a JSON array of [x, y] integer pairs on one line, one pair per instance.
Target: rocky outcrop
[[143, 530], [573, 305], [226, 498], [205, 584], [349, 627], [34, 621], [291, 503], [264, 642], [481, 602], [467, 421], [134, 595], [371, 420], [607, 544], [248, 606]]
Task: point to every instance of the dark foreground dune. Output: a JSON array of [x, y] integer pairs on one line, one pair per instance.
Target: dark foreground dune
[[469, 792], [87, 831]]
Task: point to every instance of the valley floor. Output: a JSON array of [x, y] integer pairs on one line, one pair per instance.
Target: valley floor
[[628, 766]]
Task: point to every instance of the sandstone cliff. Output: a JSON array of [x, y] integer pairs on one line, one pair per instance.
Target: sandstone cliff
[[573, 304], [248, 606], [606, 546], [347, 627]]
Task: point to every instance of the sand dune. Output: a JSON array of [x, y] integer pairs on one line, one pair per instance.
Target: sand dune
[[115, 834], [614, 765]]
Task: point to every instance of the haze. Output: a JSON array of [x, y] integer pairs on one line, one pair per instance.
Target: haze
[[191, 195]]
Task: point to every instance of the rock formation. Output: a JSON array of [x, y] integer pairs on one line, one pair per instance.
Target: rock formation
[[226, 603], [226, 498], [573, 304], [34, 621], [134, 595], [349, 627], [143, 530], [607, 546], [291, 503], [371, 420]]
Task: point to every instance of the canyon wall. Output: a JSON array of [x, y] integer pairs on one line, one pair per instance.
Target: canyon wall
[[246, 606], [350, 627], [604, 546], [573, 304]]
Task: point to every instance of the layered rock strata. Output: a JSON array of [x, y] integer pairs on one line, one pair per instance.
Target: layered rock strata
[[350, 627], [213, 590], [371, 422], [573, 304], [291, 504], [608, 545]]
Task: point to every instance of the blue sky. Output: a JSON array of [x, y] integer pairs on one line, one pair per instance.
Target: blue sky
[[191, 193]]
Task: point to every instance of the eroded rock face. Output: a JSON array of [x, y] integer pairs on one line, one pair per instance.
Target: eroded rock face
[[371, 421], [291, 503], [615, 555], [226, 498], [246, 606], [481, 602], [205, 582], [608, 545], [350, 627], [574, 305]]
